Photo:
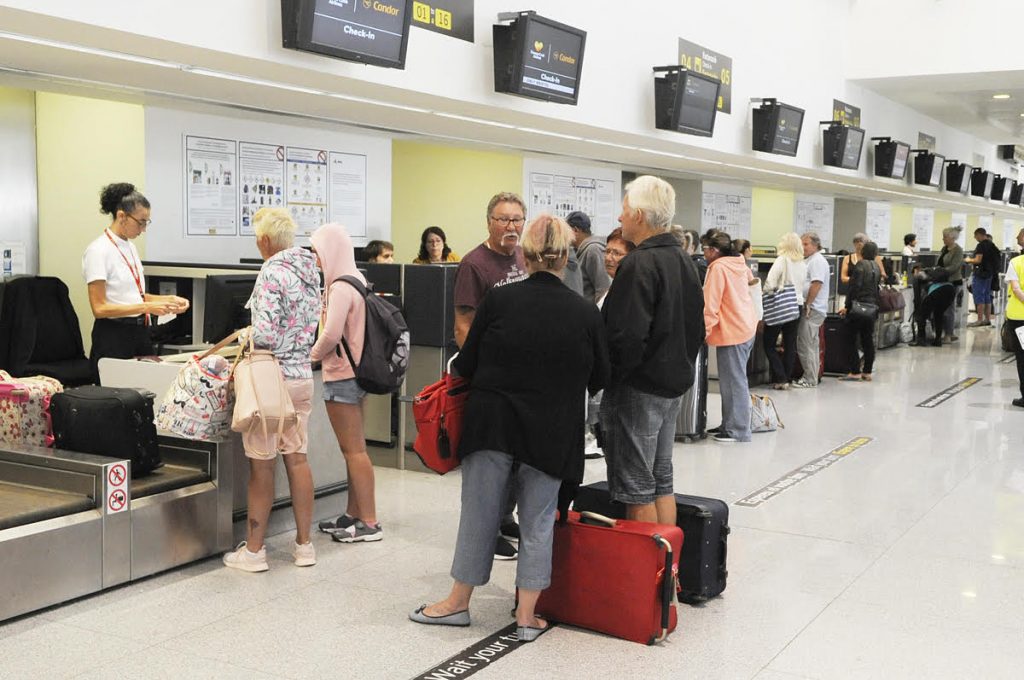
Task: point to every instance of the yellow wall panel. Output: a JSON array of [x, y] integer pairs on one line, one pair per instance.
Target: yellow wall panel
[[771, 215], [449, 187], [82, 144]]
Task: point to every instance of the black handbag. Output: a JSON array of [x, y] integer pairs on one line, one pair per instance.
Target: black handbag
[[866, 311]]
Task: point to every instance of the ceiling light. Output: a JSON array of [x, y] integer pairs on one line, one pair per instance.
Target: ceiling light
[[249, 81], [470, 119], [88, 50], [1000, 96]]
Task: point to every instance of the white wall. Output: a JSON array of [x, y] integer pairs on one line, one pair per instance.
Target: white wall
[[18, 173], [807, 64]]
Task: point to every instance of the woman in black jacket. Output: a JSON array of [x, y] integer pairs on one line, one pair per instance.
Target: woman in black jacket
[[865, 277], [533, 349]]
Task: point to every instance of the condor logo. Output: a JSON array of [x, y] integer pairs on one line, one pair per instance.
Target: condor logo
[[384, 8], [565, 58]]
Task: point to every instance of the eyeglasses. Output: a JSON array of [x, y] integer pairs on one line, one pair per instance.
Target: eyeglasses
[[141, 223], [505, 221]]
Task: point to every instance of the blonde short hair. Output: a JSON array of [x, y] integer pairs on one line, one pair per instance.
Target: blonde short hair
[[655, 198], [791, 246], [277, 225], [547, 240]]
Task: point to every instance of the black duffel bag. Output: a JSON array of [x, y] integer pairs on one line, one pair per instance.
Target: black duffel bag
[[107, 421]]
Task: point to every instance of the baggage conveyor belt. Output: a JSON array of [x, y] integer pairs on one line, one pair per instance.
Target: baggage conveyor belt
[[21, 504]]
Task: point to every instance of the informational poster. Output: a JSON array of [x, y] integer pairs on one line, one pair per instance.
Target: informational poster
[[306, 172], [211, 195], [844, 113], [878, 223], [261, 174], [958, 220], [709, 63], [13, 258], [985, 222], [817, 214], [1010, 230], [447, 17], [347, 197], [559, 189], [726, 207], [924, 226]]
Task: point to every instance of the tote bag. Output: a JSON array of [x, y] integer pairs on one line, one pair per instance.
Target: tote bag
[[261, 396], [438, 411], [199, 403], [782, 305]]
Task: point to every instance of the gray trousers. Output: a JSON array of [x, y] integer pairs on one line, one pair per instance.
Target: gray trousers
[[485, 475], [732, 383], [807, 347]]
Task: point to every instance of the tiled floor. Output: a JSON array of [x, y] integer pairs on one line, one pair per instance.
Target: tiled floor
[[903, 560]]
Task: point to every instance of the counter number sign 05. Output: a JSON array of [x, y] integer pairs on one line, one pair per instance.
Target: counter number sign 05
[[693, 63]]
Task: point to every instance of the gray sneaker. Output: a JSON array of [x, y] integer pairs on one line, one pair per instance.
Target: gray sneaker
[[802, 384], [358, 533], [343, 522]]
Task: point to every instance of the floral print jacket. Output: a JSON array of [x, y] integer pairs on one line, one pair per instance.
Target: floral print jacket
[[285, 306]]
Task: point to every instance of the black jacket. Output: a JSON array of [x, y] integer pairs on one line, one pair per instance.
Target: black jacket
[[534, 349], [865, 278], [654, 315]]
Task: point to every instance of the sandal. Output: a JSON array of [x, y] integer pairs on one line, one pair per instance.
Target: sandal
[[850, 377], [530, 633], [866, 377]]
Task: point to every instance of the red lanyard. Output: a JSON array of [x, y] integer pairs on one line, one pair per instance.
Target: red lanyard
[[131, 268]]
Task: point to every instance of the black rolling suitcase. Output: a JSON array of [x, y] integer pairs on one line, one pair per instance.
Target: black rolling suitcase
[[108, 421], [692, 422], [837, 346], [705, 525]]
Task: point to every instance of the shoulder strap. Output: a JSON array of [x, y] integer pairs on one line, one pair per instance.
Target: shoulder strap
[[364, 292]]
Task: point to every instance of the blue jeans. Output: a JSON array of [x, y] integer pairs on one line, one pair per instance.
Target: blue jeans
[[732, 383], [639, 431], [485, 476]]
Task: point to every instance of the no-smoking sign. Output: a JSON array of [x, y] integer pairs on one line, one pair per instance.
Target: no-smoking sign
[[117, 488]]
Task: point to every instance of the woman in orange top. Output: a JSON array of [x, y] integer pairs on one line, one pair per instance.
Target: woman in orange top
[[730, 325], [434, 248]]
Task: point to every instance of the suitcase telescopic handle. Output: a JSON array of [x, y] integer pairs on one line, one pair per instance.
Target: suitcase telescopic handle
[[601, 519], [668, 586]]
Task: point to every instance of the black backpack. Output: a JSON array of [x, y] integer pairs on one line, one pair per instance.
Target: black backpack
[[385, 359]]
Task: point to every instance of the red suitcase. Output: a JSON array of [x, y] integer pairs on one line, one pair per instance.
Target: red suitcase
[[614, 576]]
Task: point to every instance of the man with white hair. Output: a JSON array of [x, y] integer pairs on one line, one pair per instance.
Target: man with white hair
[[654, 315]]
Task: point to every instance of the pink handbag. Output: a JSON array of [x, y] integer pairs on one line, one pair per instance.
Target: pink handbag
[[261, 396]]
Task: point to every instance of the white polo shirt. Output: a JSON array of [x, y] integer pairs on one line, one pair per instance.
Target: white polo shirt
[[103, 261]]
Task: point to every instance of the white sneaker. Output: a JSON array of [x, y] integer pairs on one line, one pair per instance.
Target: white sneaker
[[305, 555], [241, 558]]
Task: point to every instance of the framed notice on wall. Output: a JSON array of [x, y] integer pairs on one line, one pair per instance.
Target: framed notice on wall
[[560, 188], [817, 214], [261, 175], [726, 207], [878, 223], [924, 226], [211, 198]]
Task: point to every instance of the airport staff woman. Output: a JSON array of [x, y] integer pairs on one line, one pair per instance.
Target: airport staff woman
[[117, 285]]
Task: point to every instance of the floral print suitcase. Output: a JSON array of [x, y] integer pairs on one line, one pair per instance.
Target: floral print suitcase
[[25, 409]]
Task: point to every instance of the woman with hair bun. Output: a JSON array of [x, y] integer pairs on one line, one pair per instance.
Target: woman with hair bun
[[113, 272], [533, 348]]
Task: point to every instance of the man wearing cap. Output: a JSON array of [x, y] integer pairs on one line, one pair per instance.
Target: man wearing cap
[[590, 253]]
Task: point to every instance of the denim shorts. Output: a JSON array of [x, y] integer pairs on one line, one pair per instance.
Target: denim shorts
[[344, 391], [981, 289], [639, 432]]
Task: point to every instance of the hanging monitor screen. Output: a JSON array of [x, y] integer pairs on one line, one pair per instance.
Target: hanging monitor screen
[[928, 169], [685, 101], [891, 158], [369, 31], [841, 146], [539, 58], [777, 128], [958, 177]]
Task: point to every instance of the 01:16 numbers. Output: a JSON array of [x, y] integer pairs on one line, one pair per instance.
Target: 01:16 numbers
[[422, 13]]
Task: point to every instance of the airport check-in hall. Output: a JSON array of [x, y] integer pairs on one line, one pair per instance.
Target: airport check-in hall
[[429, 339]]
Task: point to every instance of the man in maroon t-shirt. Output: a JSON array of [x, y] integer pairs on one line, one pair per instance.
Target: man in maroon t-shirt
[[495, 262]]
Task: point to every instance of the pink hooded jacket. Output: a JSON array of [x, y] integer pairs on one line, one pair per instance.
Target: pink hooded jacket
[[344, 310], [728, 311]]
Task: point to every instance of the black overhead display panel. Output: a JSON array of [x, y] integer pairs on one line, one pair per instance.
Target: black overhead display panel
[[777, 128], [1000, 189], [538, 58], [841, 145], [891, 158], [375, 32], [981, 183], [958, 177], [685, 101], [928, 168]]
